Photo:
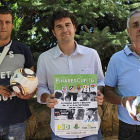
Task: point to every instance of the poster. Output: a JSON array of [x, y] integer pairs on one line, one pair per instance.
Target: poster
[[76, 112]]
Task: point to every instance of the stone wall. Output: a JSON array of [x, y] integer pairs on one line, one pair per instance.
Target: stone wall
[[38, 125], [110, 123]]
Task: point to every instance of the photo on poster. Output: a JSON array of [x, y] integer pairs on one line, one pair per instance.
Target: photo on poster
[[76, 111]]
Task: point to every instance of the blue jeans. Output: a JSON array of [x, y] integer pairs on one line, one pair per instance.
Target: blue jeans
[[13, 132], [91, 137]]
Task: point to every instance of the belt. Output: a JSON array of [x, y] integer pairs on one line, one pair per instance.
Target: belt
[[133, 127]]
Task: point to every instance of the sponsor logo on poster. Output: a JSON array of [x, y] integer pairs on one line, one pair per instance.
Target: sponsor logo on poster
[[76, 126], [63, 127], [89, 126]]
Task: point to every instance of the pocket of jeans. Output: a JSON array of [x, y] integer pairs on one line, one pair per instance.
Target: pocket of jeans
[[125, 133]]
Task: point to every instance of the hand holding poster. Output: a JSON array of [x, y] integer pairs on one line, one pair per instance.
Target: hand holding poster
[[76, 112]]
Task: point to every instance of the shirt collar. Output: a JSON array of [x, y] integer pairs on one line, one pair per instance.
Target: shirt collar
[[58, 52], [127, 49], [78, 49], [8, 44]]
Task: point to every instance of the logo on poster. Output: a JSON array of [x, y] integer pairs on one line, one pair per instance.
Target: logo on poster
[[63, 127], [88, 127], [76, 126]]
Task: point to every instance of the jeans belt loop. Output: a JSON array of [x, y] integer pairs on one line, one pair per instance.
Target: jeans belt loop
[[135, 128]]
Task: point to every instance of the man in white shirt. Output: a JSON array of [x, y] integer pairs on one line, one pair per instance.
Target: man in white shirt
[[67, 57]]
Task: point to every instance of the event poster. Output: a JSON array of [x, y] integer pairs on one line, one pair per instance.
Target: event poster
[[76, 112]]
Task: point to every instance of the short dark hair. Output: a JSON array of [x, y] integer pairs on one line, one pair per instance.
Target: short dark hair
[[6, 10], [61, 13], [93, 92], [93, 109], [58, 94]]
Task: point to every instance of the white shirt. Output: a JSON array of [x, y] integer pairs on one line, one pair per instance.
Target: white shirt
[[83, 60]]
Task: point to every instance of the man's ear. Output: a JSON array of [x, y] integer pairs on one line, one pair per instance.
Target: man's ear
[[53, 32], [74, 27], [128, 32], [12, 25]]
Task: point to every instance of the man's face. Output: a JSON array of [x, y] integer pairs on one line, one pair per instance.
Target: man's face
[[64, 30], [67, 99], [90, 112], [73, 111], [6, 26], [84, 95], [134, 28], [91, 96]]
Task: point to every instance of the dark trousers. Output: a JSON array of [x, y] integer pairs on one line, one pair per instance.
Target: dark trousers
[[128, 132]]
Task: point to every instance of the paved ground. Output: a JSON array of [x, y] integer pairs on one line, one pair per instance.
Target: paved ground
[[111, 138], [106, 138]]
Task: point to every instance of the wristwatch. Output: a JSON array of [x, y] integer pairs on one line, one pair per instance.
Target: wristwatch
[[122, 101]]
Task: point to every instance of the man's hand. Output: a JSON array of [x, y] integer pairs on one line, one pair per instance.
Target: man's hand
[[99, 98], [26, 96], [128, 105], [50, 101], [4, 91]]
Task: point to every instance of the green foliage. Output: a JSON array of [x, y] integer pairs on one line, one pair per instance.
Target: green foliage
[[102, 24]]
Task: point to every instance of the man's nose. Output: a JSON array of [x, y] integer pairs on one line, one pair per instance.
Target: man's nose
[[139, 27], [64, 28], [3, 25]]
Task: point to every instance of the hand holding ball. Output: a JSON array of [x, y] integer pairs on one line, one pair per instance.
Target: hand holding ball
[[136, 107], [24, 81]]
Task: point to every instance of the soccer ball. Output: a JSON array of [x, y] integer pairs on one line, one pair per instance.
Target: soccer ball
[[23, 81], [136, 107]]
